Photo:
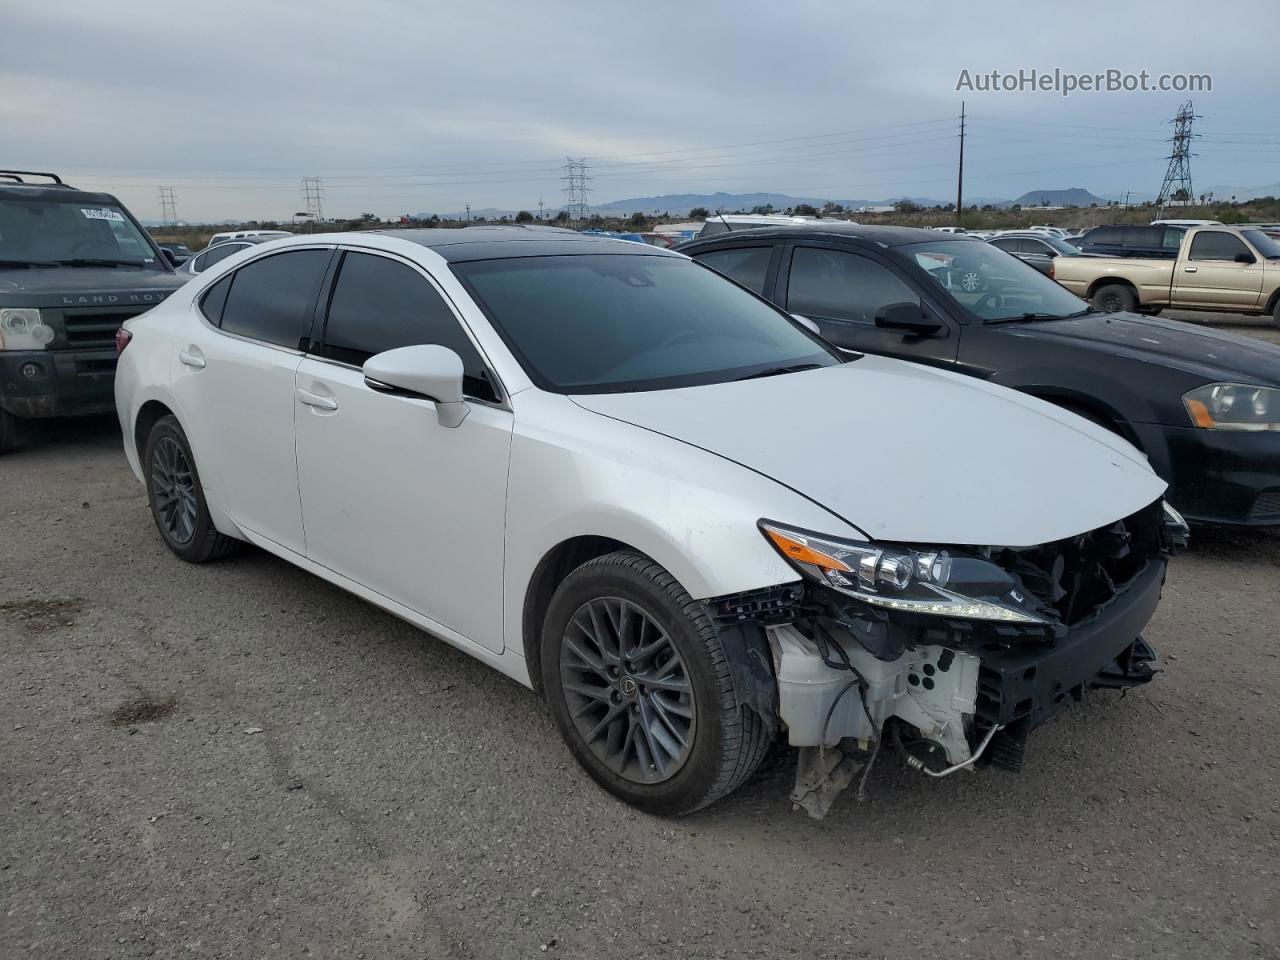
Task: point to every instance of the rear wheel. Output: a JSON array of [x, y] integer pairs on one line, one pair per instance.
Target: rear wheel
[[1275, 313], [1115, 298], [640, 688], [177, 498]]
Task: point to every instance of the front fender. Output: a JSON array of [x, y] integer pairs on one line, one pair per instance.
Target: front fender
[[687, 509]]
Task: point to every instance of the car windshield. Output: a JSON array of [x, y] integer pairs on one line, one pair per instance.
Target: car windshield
[[1266, 245], [71, 231], [619, 323], [988, 283]]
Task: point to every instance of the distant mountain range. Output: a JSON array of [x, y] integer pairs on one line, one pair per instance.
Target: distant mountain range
[[679, 204]]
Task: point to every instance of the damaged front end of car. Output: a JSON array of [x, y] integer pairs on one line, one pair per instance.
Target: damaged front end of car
[[953, 655]]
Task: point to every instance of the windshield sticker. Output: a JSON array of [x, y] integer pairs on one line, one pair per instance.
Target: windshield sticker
[[93, 213]]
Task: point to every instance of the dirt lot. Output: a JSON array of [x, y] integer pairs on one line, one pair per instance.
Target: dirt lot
[[238, 760]]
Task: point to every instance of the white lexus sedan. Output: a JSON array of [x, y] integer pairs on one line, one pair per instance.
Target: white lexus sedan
[[684, 519]]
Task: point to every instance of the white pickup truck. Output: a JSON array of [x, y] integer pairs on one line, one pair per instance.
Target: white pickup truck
[[1219, 268]]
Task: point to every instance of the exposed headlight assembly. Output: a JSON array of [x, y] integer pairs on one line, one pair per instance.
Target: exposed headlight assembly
[[1233, 406], [940, 582], [23, 329]]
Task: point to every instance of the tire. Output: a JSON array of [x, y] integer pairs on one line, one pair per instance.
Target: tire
[[181, 515], [10, 432], [724, 741], [1275, 313], [1115, 298]]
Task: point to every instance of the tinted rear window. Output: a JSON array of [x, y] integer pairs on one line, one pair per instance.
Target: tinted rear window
[[272, 299], [748, 265]]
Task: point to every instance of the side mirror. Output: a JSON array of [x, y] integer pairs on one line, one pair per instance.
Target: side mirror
[[806, 323], [169, 255], [429, 371], [1245, 258], [909, 317]]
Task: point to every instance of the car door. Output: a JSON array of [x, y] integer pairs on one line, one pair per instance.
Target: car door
[[842, 291], [234, 381], [1036, 253], [393, 500], [1210, 275]]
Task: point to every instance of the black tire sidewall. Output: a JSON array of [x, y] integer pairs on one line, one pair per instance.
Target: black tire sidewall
[[701, 772], [197, 548], [1128, 302]]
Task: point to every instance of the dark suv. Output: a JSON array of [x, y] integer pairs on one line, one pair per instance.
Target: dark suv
[[1153, 243], [74, 265]]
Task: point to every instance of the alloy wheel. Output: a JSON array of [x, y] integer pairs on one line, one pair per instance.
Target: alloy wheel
[[627, 690], [173, 489]]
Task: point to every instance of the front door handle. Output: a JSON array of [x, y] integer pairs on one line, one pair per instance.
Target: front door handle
[[317, 401], [192, 357], [1190, 269]]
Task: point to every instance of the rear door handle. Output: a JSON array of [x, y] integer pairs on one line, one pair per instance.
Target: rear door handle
[[1190, 269], [317, 401], [192, 357]]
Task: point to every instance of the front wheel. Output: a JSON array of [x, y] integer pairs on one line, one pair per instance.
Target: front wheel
[[640, 688], [177, 499], [1275, 313]]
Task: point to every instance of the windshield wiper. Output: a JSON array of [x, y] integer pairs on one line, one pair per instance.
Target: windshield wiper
[[776, 371], [98, 262], [27, 263], [1044, 316]]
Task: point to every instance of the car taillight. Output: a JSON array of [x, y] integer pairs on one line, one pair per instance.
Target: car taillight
[[1051, 277], [123, 337]]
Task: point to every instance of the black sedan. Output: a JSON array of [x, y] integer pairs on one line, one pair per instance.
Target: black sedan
[[1203, 405]]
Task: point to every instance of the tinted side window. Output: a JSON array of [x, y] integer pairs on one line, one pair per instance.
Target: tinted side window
[[747, 265], [833, 285], [214, 299], [1104, 235], [272, 299], [1173, 238], [379, 304], [217, 255], [1216, 245], [1008, 244], [1036, 246]]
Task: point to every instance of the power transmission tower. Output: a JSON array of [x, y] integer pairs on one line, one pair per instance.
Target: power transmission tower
[[1176, 189], [960, 174], [575, 179], [168, 206], [313, 195]]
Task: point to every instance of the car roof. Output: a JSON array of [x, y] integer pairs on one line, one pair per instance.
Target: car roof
[[54, 192], [501, 242], [884, 236]]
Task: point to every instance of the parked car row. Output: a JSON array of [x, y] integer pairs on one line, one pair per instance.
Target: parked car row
[[560, 453]]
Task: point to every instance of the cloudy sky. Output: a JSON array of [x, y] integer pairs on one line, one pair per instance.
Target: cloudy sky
[[409, 105]]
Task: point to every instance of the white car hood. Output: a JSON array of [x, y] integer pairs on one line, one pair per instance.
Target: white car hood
[[909, 453]]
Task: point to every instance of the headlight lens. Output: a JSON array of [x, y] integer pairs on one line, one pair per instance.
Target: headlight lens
[[915, 580], [1233, 406], [22, 329]]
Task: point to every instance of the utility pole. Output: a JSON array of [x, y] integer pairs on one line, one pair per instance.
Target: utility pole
[[539, 209], [1176, 188], [575, 179], [1126, 199], [168, 207], [960, 175], [468, 213], [313, 194]]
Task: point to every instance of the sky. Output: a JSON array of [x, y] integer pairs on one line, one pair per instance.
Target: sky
[[402, 106]]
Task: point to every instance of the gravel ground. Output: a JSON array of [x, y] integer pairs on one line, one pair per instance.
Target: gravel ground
[[239, 760]]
